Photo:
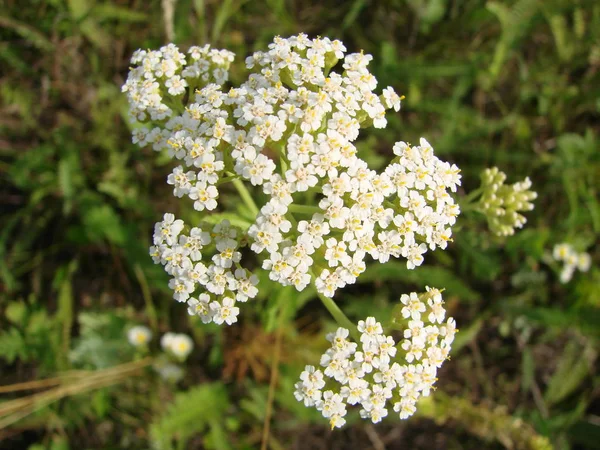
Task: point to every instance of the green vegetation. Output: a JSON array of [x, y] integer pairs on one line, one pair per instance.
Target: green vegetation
[[514, 85]]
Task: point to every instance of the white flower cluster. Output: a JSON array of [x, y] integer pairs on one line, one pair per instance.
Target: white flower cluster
[[159, 77], [287, 131], [370, 376], [501, 203], [223, 281], [572, 260]]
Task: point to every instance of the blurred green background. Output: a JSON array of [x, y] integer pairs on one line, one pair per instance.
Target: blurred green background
[[514, 84]]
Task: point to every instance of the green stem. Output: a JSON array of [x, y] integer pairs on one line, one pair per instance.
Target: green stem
[[470, 207], [339, 316], [227, 179], [282, 161], [245, 194], [389, 204], [292, 220], [173, 103], [473, 195], [150, 309], [304, 209]]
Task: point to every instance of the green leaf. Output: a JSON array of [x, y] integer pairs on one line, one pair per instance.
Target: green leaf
[[102, 221], [15, 312], [101, 403], [527, 369], [585, 318], [38, 322], [353, 13], [282, 305], [108, 11], [226, 10], [27, 32], [216, 437], [573, 368], [79, 8], [102, 342], [64, 315], [12, 345], [191, 413], [59, 443]]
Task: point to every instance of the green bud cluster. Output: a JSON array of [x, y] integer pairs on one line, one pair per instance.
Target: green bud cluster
[[501, 203]]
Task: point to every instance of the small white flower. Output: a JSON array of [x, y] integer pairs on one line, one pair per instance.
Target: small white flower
[[391, 99], [584, 262], [226, 311], [171, 373], [562, 251], [176, 85], [139, 336], [204, 195], [166, 340], [180, 345], [167, 230], [182, 287], [200, 307], [370, 330]]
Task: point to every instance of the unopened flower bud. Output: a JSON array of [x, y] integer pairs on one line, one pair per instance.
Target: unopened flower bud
[[500, 203]]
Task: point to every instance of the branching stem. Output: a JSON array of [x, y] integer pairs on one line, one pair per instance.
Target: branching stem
[[339, 316], [245, 194], [304, 209]]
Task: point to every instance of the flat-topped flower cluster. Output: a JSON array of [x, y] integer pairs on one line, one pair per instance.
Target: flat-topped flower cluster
[[381, 372], [287, 132]]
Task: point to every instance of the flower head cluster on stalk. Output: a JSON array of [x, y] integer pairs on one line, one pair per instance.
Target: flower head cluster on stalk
[[380, 371], [287, 132], [502, 203]]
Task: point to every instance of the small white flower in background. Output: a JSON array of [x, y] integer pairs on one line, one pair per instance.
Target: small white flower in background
[[179, 345], [571, 259], [584, 262], [562, 251], [165, 341], [139, 336], [170, 372], [381, 371]]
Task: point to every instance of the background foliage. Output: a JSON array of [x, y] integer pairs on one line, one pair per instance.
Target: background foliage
[[514, 84]]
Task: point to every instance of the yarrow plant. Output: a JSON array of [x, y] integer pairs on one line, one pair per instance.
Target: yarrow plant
[[285, 138]]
